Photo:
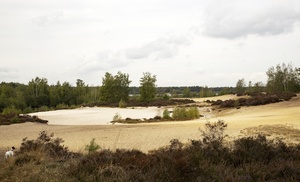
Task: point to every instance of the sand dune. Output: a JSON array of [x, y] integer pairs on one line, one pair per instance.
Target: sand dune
[[279, 120]]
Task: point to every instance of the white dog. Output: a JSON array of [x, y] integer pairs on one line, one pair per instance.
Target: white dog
[[10, 153]]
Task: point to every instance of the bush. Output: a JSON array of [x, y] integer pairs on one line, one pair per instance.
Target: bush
[[213, 132], [166, 114], [43, 108], [11, 111], [117, 117], [62, 106], [45, 143], [28, 110], [92, 147], [122, 104], [182, 113]]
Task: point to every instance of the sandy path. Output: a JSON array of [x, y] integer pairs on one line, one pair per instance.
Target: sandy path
[[146, 137]]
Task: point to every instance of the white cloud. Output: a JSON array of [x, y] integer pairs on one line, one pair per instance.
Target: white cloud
[[48, 19], [234, 19], [165, 47], [8, 73]]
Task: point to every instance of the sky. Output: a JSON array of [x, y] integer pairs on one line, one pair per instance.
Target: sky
[[182, 42]]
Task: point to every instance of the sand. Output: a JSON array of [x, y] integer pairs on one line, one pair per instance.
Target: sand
[[78, 127]]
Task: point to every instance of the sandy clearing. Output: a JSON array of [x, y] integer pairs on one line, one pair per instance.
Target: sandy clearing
[[95, 115], [279, 118]]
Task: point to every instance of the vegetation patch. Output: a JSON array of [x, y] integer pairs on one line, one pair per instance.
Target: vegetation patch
[[253, 158], [255, 100], [178, 114], [13, 118]]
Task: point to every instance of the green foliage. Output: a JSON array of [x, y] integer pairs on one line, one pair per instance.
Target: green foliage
[[43, 108], [115, 88], [283, 78], [62, 106], [186, 92], [27, 110], [92, 147], [183, 113], [166, 114], [147, 87], [240, 87], [11, 111], [206, 92], [122, 104]]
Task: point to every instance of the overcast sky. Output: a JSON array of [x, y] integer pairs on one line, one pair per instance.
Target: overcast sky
[[182, 42]]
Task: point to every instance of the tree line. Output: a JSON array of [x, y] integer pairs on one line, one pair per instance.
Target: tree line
[[116, 88]]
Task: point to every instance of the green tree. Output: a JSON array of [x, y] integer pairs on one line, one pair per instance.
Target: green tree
[[38, 92], [115, 88], [186, 92], [206, 92], [283, 78], [68, 94], [56, 94], [80, 92], [258, 87], [147, 87], [240, 87]]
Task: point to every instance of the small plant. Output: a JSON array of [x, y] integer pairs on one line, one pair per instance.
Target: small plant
[[92, 147], [117, 117], [213, 132], [166, 114], [122, 104]]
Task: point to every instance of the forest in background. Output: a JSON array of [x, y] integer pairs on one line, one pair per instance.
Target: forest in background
[[38, 95]]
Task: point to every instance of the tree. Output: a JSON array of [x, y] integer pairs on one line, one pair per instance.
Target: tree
[[115, 88], [283, 78], [147, 87], [240, 87], [80, 92], [206, 92], [186, 92], [38, 92]]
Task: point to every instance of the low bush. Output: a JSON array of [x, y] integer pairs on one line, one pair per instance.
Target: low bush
[[183, 113]]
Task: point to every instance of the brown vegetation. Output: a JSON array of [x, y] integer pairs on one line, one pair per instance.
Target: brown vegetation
[[12, 118], [254, 100], [248, 159]]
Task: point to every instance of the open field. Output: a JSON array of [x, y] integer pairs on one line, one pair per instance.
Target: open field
[[278, 120]]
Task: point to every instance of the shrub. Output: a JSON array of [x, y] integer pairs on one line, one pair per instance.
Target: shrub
[[117, 117], [27, 110], [182, 113], [45, 143], [43, 108], [213, 132], [92, 147], [193, 113], [166, 114], [11, 111], [62, 106], [122, 104]]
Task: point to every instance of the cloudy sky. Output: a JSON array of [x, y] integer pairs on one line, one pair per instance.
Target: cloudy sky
[[182, 42]]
